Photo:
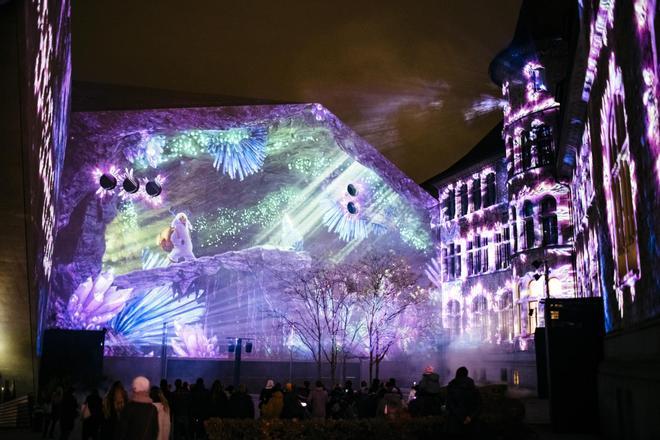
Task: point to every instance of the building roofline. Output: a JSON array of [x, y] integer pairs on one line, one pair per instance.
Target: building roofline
[[490, 147]]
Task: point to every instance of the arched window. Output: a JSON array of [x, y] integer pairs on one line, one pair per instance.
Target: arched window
[[526, 150], [480, 316], [454, 317], [476, 194], [619, 180], [528, 215], [490, 189], [464, 199], [450, 204], [505, 317], [514, 229], [511, 167], [549, 220]]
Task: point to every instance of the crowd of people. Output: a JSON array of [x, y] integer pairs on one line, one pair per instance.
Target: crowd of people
[[179, 412]]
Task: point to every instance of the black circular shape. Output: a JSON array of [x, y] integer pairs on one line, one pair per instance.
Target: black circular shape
[[153, 189], [352, 190], [352, 207], [130, 186], [108, 181]]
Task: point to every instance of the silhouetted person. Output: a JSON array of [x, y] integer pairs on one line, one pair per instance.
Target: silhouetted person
[[463, 404], [391, 403], [429, 401], [240, 404], [218, 400], [92, 424], [292, 408], [139, 420], [318, 399], [68, 414], [305, 391], [272, 409], [199, 407], [113, 405], [265, 393], [180, 407], [55, 411]]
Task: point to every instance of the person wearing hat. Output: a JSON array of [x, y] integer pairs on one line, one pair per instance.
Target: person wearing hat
[[266, 393], [139, 419], [428, 393]]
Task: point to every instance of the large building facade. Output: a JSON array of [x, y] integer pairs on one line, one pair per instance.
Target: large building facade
[[576, 198], [506, 228]]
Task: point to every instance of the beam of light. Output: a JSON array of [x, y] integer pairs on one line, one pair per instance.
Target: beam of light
[[484, 105], [379, 109]]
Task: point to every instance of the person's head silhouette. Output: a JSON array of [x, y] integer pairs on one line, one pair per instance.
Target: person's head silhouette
[[462, 372]]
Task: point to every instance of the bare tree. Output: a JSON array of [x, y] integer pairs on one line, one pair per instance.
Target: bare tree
[[386, 287], [318, 307]]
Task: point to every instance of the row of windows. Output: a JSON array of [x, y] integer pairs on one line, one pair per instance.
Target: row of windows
[[477, 257], [489, 198], [536, 149]]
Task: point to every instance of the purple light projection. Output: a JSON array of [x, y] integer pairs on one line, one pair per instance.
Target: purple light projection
[[616, 246], [248, 195]]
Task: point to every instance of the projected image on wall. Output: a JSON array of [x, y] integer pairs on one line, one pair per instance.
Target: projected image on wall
[[188, 226]]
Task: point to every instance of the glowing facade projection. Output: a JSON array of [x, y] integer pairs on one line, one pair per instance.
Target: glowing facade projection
[[184, 223], [615, 176], [504, 220]]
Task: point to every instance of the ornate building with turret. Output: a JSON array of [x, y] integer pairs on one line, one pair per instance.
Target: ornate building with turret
[[506, 230]]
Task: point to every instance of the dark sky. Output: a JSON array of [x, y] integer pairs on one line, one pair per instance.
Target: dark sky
[[400, 72]]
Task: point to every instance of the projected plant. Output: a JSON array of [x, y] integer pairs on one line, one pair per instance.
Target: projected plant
[[94, 303], [140, 323], [191, 341]]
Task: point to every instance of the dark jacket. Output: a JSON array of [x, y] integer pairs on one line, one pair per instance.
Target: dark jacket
[[463, 399], [241, 406], [292, 409], [139, 421], [430, 384], [318, 399]]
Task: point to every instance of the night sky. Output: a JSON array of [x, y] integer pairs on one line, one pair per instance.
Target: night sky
[[401, 73]]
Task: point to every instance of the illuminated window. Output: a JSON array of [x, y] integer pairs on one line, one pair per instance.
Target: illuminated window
[[491, 193], [503, 249], [505, 316], [528, 214], [470, 258], [464, 198], [554, 287], [516, 377], [450, 204], [451, 261], [526, 147], [532, 315], [477, 255], [454, 317], [543, 141], [476, 194], [480, 316], [618, 170], [549, 220], [514, 227], [511, 156]]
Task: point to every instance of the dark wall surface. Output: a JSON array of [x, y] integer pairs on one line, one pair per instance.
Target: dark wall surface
[[16, 326]]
